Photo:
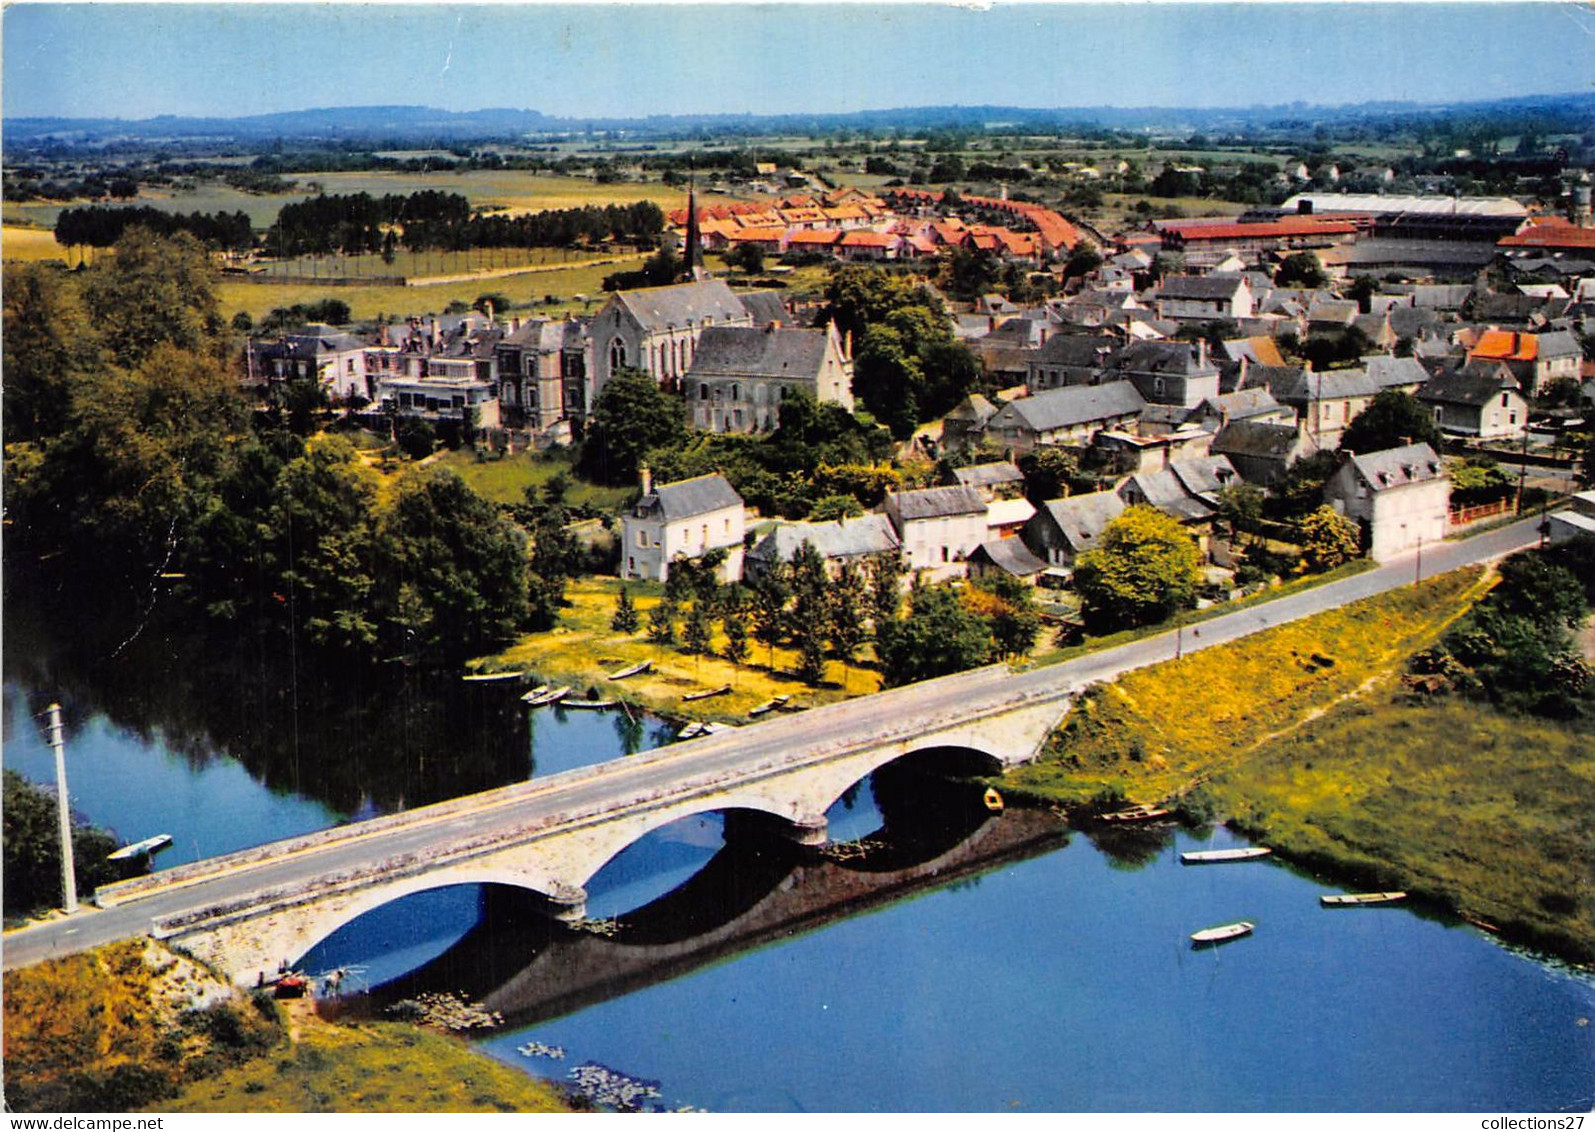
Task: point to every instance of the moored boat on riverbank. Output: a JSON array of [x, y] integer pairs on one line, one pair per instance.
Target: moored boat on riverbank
[[1223, 856], [1361, 899], [537, 697], [1142, 812], [1222, 933]]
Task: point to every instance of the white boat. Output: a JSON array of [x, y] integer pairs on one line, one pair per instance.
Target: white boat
[[590, 705], [1222, 856], [1142, 812], [635, 670], [1223, 932], [139, 848], [720, 691], [692, 731], [1358, 899], [539, 697], [769, 705], [472, 677]]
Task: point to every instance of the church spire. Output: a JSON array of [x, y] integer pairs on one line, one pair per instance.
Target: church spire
[[692, 252]]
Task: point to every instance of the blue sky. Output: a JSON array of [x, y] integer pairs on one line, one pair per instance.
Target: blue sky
[[140, 60]]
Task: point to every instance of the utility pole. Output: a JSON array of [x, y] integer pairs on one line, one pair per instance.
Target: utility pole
[[69, 880]]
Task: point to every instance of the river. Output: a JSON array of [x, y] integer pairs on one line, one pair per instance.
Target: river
[[941, 959]]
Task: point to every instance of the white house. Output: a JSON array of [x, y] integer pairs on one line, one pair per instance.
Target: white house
[[1401, 495], [938, 528], [685, 519]]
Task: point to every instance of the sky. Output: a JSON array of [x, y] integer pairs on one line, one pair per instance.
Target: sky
[[607, 60]]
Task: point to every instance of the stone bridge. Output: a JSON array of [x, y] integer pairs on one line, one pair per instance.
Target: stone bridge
[[551, 836]]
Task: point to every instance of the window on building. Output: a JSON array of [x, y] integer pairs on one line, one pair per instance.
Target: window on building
[[1503, 400], [642, 540], [617, 355], [703, 391]]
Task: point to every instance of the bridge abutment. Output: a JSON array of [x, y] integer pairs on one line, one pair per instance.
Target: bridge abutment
[[807, 831]]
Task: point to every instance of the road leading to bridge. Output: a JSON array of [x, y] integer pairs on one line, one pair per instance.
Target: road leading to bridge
[[702, 766]]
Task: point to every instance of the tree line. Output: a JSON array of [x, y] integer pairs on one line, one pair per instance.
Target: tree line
[[100, 227]]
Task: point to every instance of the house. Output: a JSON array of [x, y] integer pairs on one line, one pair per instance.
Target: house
[[1007, 557], [1146, 452], [1255, 404], [1005, 518], [937, 527], [1186, 490], [1204, 298], [1064, 416], [1168, 373], [740, 375], [1063, 529], [1578, 518], [1488, 405], [335, 359], [685, 519], [1325, 403], [1261, 451], [542, 372], [963, 424], [1535, 360], [837, 542], [1406, 375], [1070, 359], [656, 329], [1401, 497], [1000, 480]]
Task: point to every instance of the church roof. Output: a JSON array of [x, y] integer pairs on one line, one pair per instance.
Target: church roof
[[676, 306]]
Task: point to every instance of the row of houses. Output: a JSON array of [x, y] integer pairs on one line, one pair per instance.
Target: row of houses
[[736, 357]]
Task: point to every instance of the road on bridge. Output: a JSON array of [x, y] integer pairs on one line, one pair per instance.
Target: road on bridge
[[702, 764]]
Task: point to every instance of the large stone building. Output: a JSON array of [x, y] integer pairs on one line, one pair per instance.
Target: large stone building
[[741, 374], [656, 329]]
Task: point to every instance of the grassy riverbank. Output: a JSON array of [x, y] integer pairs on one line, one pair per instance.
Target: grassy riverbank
[[1302, 736], [133, 1026]]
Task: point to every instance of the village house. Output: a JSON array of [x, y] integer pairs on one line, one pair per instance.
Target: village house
[[1577, 518], [542, 372], [1186, 490], [334, 358], [999, 480], [685, 519], [1063, 529], [1070, 359], [741, 374], [1324, 403], [1168, 373], [1535, 360], [838, 542], [1261, 451], [1401, 497], [1064, 416], [937, 528], [1487, 405], [1007, 557], [1204, 298]]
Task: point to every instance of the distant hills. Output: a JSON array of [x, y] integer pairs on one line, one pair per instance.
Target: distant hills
[[412, 125]]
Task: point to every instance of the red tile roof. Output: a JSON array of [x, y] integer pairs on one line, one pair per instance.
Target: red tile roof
[[1552, 236], [1506, 346]]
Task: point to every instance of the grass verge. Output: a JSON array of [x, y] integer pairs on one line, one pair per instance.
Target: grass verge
[[1302, 737]]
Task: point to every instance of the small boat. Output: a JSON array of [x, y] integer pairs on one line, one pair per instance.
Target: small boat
[[471, 677], [590, 705], [140, 848], [692, 731], [714, 727], [720, 691], [1222, 932], [769, 705], [1223, 856], [1135, 813], [993, 800], [538, 697], [1359, 899], [635, 670]]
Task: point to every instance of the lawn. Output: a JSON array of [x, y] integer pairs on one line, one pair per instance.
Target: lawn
[[583, 650], [506, 479]]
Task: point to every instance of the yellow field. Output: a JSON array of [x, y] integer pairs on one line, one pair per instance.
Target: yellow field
[[29, 244], [258, 299]]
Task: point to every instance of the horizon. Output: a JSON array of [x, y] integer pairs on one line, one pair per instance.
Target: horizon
[[133, 62]]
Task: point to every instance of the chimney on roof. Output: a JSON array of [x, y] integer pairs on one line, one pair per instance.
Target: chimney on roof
[[645, 475]]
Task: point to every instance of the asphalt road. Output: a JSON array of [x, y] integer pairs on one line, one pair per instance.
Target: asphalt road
[[700, 766]]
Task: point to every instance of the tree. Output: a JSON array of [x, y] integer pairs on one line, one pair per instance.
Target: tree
[[884, 572], [456, 579], [1009, 608], [625, 619], [939, 636], [747, 258], [49, 344], [735, 626], [662, 623], [696, 636], [632, 415], [1301, 269], [32, 842], [1143, 568], [1392, 419], [770, 594], [154, 291], [1049, 472], [1328, 539], [845, 614]]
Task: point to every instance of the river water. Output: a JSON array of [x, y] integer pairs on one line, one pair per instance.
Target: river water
[[941, 959]]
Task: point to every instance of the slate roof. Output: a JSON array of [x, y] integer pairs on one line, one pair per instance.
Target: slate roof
[[1260, 439], [659, 308], [1303, 386], [685, 499], [1081, 518], [1009, 555], [972, 408], [1559, 344], [754, 351], [310, 342], [1397, 467], [839, 538], [1175, 358], [1204, 288], [765, 307], [1387, 372], [1071, 405], [937, 502], [1462, 387], [1009, 512], [1204, 475], [1254, 401], [1091, 350], [988, 475]]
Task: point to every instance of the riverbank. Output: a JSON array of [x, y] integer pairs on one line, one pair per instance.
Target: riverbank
[[134, 1026], [1302, 737]]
